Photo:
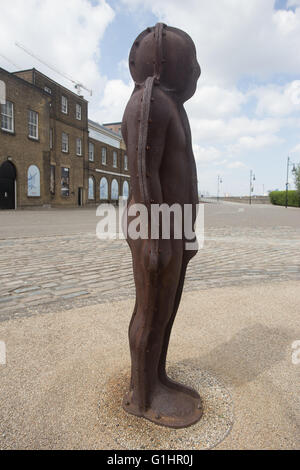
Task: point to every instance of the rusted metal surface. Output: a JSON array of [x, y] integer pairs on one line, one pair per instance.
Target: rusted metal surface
[[156, 130]]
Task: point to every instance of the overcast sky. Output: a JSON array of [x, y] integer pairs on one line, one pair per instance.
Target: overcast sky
[[246, 111]]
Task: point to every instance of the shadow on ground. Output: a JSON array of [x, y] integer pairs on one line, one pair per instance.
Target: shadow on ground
[[247, 355]]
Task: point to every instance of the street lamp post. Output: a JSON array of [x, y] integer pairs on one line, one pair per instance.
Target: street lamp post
[[252, 179], [289, 163], [219, 182]]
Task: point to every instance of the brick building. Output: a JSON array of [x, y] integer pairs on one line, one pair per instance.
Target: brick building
[[46, 155], [114, 126], [24, 144], [108, 165]]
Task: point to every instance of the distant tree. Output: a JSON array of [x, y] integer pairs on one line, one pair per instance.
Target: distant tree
[[297, 182], [297, 178]]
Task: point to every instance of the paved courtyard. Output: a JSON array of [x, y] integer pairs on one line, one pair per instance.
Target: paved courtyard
[[51, 260], [65, 303]]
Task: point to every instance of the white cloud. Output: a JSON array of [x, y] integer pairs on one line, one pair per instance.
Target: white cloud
[[220, 162], [237, 164], [215, 101], [65, 34], [278, 100], [123, 69], [115, 97], [293, 3], [287, 22], [254, 143], [219, 130], [207, 157], [204, 155], [296, 149], [235, 38]]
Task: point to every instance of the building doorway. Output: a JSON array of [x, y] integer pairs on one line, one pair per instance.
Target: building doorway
[[80, 197], [7, 186]]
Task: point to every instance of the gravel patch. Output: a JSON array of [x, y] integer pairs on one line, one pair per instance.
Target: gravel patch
[[137, 433]]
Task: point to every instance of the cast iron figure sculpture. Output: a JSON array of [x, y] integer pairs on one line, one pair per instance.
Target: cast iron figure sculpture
[[156, 131]]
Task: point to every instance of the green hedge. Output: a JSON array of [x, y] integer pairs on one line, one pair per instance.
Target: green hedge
[[279, 198]]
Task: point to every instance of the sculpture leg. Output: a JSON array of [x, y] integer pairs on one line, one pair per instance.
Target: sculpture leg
[[162, 364], [156, 292], [130, 328]]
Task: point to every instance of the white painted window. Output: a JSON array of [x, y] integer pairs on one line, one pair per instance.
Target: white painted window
[[78, 111], [64, 104], [33, 181], [79, 147], [91, 188], [103, 189], [33, 124], [114, 190], [125, 190], [48, 90], [65, 142], [7, 116], [115, 159], [125, 162], [104, 155], [91, 152]]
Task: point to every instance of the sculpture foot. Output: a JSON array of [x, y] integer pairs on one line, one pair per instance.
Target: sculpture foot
[[165, 380], [169, 407]]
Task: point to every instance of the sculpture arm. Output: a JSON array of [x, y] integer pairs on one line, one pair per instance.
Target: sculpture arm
[[153, 129], [144, 129]]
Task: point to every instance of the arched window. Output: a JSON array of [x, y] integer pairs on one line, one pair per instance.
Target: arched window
[[103, 189], [91, 188], [33, 181], [125, 190], [114, 190]]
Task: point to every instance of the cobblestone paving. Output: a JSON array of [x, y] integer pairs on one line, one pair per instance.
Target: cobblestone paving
[[60, 272]]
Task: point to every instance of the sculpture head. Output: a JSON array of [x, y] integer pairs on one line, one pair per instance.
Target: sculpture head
[[169, 54]]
